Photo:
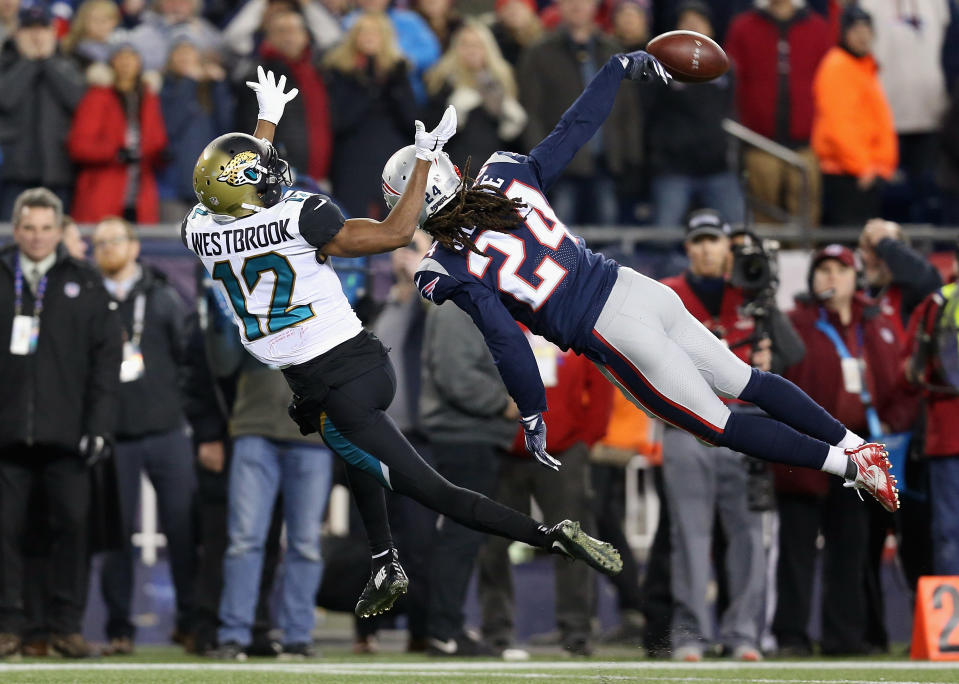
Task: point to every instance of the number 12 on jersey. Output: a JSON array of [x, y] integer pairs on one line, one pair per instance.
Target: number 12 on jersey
[[280, 315]]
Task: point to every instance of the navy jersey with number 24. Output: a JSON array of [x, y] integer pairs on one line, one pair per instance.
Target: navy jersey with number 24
[[538, 274]]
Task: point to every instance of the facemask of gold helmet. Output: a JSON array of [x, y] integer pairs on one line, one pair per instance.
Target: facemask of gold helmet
[[238, 175]]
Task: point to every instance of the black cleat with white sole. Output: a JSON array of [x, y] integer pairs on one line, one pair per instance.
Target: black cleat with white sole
[[568, 539], [387, 584]]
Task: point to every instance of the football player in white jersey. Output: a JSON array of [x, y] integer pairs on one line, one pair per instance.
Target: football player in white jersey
[[268, 252]]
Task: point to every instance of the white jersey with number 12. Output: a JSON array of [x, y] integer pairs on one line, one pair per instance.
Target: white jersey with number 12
[[287, 301]]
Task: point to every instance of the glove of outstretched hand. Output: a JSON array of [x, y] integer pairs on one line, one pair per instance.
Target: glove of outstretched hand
[[534, 434], [641, 66], [430, 143], [270, 96]]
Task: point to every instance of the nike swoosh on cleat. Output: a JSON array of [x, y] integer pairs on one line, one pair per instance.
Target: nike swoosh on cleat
[[876, 474], [380, 576]]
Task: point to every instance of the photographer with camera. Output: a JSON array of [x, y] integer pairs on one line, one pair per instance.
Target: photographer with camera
[[702, 481], [852, 368]]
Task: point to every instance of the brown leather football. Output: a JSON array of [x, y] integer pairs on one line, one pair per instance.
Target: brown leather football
[[689, 56]]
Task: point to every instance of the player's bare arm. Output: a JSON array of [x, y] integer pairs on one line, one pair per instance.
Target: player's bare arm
[[362, 236], [264, 130]]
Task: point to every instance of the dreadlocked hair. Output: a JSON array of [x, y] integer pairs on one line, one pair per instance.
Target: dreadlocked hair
[[483, 207]]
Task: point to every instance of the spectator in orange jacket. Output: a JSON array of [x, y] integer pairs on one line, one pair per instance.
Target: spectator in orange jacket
[[581, 401], [117, 141], [853, 133]]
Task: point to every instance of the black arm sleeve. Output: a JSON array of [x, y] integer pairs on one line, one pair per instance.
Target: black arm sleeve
[[911, 271], [103, 380], [320, 220]]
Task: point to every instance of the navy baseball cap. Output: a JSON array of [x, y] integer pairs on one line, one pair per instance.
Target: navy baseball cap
[[34, 14], [706, 222]]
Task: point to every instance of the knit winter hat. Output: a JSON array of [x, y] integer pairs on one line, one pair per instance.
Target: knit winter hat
[[851, 15]]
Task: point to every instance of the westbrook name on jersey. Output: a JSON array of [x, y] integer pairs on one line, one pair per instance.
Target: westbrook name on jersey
[[286, 299]]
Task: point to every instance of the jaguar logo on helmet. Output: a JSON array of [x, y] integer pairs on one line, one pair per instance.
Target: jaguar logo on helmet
[[237, 175], [243, 169]]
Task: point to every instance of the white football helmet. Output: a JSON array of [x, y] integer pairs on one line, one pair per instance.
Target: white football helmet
[[441, 185]]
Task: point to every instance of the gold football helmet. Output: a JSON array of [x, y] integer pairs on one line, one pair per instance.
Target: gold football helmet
[[238, 174]]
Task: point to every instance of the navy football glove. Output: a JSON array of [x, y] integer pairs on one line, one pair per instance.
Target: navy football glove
[[641, 66], [534, 433]]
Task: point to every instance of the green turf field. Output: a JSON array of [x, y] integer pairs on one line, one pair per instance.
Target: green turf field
[[167, 666]]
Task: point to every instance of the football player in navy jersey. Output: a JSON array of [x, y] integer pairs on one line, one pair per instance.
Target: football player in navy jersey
[[502, 255], [268, 253]]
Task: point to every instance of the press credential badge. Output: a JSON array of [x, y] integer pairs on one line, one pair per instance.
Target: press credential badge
[[132, 366], [23, 339]]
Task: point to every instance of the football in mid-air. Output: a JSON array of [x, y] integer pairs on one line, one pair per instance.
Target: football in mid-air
[[689, 56]]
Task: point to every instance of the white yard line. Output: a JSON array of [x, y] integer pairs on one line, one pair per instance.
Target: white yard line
[[756, 680], [451, 667]]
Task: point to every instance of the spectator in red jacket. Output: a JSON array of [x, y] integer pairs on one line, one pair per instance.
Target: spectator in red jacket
[[305, 140], [581, 401], [809, 502], [930, 367], [776, 48], [897, 276], [117, 141]]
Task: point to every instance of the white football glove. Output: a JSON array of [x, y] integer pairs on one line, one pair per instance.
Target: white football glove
[[429, 144], [270, 95]]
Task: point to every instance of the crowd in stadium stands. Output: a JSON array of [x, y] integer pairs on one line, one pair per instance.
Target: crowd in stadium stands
[[110, 102], [109, 374]]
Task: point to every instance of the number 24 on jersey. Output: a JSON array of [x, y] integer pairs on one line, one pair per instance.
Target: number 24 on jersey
[[548, 231]]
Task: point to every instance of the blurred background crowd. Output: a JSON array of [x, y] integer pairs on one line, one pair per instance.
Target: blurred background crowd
[[833, 114], [109, 103]]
